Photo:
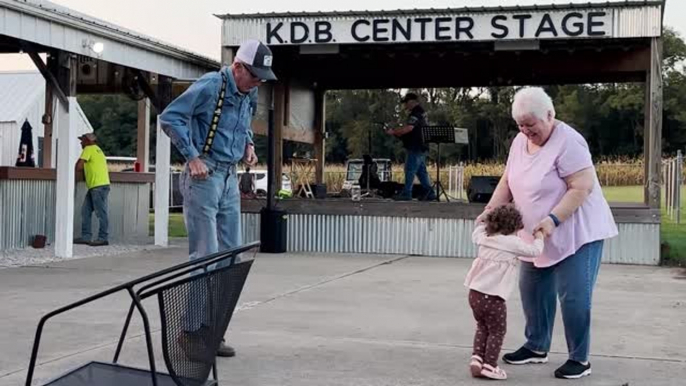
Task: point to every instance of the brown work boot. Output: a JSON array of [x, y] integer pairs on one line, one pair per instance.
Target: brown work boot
[[225, 350]]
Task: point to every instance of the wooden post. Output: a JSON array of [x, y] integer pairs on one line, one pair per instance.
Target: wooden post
[[654, 109], [48, 118], [143, 140], [279, 112], [227, 56], [646, 141], [320, 133]]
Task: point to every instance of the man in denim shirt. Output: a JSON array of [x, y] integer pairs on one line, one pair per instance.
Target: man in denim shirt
[[209, 183]]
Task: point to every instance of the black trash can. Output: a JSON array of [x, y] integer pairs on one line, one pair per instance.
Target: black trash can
[[273, 230]]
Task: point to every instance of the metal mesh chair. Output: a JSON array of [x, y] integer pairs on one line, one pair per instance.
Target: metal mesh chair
[[196, 302]]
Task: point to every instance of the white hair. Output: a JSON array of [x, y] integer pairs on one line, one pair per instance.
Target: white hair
[[532, 101]]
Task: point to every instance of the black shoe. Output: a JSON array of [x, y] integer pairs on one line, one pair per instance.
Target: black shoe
[[573, 370], [82, 241], [225, 350], [401, 197], [99, 243], [524, 356]]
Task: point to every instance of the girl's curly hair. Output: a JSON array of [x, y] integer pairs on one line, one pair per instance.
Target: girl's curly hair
[[504, 220]]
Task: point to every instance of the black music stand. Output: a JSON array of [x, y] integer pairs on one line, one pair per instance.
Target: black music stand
[[438, 135]]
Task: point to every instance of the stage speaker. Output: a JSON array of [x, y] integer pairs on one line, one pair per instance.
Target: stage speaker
[[319, 190], [481, 188]]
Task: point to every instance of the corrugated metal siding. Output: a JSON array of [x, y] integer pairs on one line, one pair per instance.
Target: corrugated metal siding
[[64, 29], [637, 22], [250, 227], [636, 243], [126, 221], [27, 208]]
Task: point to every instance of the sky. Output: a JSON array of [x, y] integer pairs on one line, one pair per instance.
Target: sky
[[193, 26]]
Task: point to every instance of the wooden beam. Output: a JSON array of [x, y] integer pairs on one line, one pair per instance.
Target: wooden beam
[[143, 139], [48, 118], [655, 120], [319, 133], [49, 78], [148, 90]]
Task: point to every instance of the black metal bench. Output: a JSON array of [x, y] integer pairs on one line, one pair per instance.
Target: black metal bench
[[196, 302]]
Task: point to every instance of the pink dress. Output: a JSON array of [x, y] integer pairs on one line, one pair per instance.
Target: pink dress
[[494, 272], [537, 185]]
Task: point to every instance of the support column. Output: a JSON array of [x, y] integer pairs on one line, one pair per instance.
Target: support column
[[48, 123], [279, 114], [320, 133], [162, 168], [67, 151], [162, 184], [654, 111], [227, 56], [143, 141]]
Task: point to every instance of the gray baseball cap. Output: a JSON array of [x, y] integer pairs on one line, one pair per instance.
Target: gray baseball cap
[[257, 57]]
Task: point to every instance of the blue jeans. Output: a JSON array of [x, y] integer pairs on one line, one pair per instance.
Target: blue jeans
[[415, 164], [572, 281], [212, 213], [96, 201]]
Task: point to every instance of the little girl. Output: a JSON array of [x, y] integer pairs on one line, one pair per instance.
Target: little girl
[[491, 280]]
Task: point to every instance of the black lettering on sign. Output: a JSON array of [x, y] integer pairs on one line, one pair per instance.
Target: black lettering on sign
[[379, 32], [546, 26], [322, 32], [522, 23], [464, 24], [355, 32], [304, 32], [578, 25], [592, 31], [273, 33], [398, 28], [504, 31], [422, 25], [440, 26]]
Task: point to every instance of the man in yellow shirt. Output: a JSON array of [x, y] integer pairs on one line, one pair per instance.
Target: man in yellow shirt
[[94, 165]]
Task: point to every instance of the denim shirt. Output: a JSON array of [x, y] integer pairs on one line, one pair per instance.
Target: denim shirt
[[187, 119]]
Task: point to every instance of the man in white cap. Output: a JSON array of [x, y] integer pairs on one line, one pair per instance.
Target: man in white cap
[[210, 125]]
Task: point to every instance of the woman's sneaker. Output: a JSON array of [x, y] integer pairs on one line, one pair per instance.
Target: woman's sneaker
[[524, 356], [573, 370], [475, 365], [491, 372]]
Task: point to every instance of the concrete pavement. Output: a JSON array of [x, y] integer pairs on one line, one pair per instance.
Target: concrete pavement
[[307, 319]]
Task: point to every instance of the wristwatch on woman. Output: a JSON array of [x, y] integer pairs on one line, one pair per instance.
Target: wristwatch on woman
[[556, 220]]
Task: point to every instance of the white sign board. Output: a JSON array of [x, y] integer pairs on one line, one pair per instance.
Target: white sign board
[[461, 136], [524, 25]]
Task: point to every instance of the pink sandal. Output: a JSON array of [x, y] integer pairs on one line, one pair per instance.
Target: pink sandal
[[491, 372], [475, 366]]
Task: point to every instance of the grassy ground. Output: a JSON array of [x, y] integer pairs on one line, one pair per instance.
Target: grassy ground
[[673, 235]]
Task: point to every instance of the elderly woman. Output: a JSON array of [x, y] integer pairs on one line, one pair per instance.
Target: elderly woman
[[551, 178]]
